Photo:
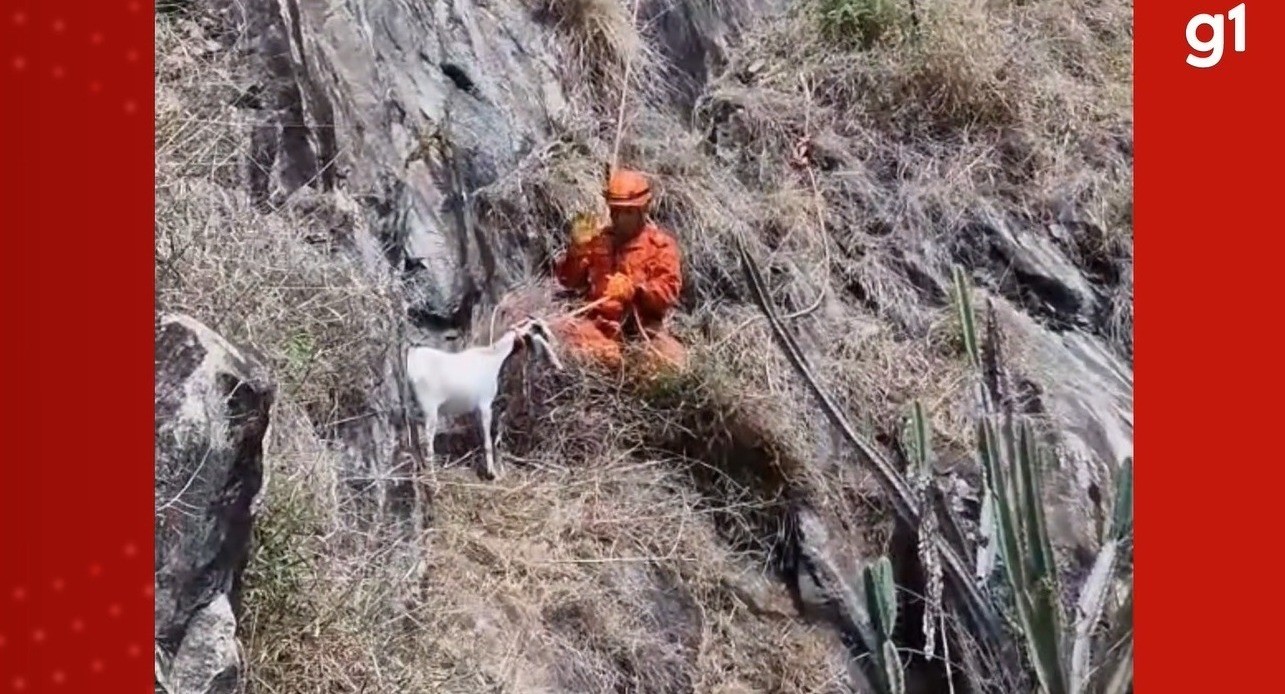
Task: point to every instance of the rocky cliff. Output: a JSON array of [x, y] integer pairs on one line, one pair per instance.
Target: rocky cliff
[[212, 411], [339, 180]]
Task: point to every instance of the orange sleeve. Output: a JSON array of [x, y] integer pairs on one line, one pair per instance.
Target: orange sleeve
[[573, 269], [660, 278]]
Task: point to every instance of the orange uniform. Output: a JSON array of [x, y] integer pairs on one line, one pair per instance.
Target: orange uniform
[[639, 281]]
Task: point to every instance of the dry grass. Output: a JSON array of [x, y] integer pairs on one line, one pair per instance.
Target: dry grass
[[602, 37], [931, 130], [283, 281], [611, 557], [916, 140], [632, 543], [629, 546], [919, 133]]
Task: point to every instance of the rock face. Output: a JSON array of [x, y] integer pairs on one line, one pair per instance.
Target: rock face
[[348, 96], [352, 96], [212, 409]]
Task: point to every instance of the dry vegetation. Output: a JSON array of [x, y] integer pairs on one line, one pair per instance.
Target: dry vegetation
[[633, 543]]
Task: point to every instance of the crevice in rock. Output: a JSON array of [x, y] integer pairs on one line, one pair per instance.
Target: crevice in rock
[[473, 170], [991, 255], [281, 152], [457, 319], [459, 77], [316, 101]]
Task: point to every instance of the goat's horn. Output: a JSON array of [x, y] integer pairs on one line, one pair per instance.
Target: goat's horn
[[548, 351]]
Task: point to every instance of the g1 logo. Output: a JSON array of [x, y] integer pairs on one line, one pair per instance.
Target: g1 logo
[[1211, 51]]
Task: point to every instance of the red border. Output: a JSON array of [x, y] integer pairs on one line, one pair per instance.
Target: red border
[[76, 519], [1207, 193]]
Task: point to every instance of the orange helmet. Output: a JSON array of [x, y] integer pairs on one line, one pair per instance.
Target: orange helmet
[[627, 189]]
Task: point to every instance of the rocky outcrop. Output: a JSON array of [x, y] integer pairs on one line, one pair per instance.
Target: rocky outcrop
[[350, 98], [212, 409]]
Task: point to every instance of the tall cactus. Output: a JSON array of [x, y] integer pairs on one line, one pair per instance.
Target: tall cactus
[[1010, 464], [1012, 468], [1121, 527], [987, 545], [1096, 592], [880, 621], [920, 474]]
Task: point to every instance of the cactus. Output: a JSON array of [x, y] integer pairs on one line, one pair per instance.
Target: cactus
[[920, 475], [1010, 462], [1095, 593], [1089, 609], [1012, 468], [880, 623], [1121, 527], [987, 547], [1118, 675]]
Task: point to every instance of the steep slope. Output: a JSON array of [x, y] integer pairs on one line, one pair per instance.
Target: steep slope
[[336, 181]]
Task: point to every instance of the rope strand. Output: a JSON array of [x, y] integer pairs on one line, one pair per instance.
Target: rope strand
[[624, 92]]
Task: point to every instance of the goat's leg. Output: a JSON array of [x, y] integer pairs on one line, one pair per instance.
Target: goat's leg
[[430, 431], [430, 460], [499, 431], [484, 417]]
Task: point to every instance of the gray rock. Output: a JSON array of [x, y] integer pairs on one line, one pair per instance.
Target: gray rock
[[209, 659], [357, 89], [1029, 269], [351, 92], [212, 408]]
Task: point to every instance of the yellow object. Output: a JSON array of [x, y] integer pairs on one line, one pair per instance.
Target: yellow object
[[620, 287], [585, 227]]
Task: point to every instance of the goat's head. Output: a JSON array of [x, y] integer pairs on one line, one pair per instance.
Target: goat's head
[[537, 333]]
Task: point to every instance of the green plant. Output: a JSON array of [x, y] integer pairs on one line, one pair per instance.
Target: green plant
[[278, 578], [1012, 462], [1014, 535], [920, 475], [975, 609], [300, 352], [862, 22], [880, 620]]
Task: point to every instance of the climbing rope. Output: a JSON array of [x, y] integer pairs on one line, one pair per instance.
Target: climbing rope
[[975, 606], [615, 158], [624, 93]]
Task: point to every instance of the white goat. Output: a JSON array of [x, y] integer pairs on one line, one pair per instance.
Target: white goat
[[455, 383]]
